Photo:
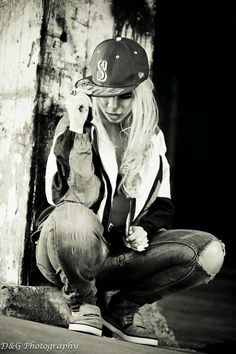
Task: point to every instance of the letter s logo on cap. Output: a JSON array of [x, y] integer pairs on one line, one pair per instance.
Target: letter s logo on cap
[[102, 68]]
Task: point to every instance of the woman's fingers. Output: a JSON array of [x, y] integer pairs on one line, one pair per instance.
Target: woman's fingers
[[77, 106], [137, 238]]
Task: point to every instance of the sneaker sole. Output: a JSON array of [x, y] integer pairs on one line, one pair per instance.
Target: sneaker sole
[[85, 329], [132, 339]]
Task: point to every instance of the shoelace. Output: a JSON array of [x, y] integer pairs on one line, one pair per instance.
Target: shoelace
[[133, 319]]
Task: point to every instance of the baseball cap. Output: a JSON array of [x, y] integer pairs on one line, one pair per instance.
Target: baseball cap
[[118, 65]]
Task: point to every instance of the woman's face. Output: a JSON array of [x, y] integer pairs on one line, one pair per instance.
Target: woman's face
[[115, 109]]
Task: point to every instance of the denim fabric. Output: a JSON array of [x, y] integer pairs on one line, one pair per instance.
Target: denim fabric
[[168, 265], [71, 250], [73, 253]]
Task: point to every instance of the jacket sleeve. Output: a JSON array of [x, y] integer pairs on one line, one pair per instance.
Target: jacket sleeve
[[70, 171], [159, 215]]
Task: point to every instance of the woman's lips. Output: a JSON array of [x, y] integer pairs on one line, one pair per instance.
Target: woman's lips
[[113, 115]]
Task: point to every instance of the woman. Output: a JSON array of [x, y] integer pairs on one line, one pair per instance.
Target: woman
[[108, 177]]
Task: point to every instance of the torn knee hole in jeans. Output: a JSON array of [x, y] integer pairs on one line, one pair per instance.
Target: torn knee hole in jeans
[[211, 258]]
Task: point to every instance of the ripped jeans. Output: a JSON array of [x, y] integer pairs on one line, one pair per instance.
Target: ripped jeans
[[73, 254]]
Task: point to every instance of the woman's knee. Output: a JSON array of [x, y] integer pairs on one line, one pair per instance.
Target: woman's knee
[[74, 228], [74, 231], [74, 218], [212, 257]]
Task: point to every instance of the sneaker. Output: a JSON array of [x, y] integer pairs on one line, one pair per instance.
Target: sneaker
[[88, 320], [127, 324]]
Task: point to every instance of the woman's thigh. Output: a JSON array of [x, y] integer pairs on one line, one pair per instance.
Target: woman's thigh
[[167, 249], [71, 239]]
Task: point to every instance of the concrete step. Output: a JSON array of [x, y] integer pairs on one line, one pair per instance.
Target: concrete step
[[32, 337], [45, 304]]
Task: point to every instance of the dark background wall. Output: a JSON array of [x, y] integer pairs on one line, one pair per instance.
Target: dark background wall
[[194, 74]]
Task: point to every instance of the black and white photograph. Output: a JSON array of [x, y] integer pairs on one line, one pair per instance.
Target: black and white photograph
[[116, 165]]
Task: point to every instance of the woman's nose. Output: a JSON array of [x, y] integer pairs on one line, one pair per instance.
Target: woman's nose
[[113, 102]]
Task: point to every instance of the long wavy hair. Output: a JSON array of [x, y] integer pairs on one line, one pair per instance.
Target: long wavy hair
[[138, 129]]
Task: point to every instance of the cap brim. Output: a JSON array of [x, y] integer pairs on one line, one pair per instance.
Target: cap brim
[[102, 91]]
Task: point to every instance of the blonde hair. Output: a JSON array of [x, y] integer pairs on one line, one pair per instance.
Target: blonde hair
[[139, 130]]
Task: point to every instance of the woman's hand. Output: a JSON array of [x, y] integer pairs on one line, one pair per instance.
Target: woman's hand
[[77, 106], [136, 239]]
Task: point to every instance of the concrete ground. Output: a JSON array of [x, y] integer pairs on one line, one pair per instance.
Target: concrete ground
[[26, 336], [45, 304]]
